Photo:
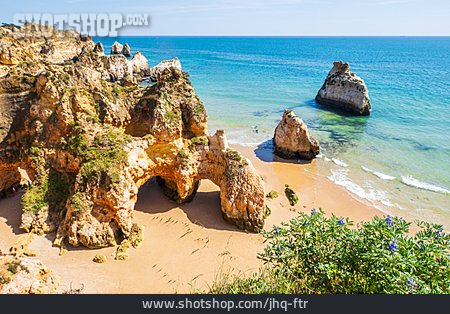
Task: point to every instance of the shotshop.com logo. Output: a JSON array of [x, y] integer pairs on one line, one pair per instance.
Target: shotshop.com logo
[[92, 24]]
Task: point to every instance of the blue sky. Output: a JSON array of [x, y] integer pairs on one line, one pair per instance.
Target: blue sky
[[262, 17]]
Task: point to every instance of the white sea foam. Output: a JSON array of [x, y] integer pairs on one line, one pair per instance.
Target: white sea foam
[[411, 181], [380, 175], [383, 176], [244, 144], [339, 162], [326, 159], [340, 177]]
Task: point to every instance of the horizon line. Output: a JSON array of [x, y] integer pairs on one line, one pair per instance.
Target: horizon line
[[267, 35]]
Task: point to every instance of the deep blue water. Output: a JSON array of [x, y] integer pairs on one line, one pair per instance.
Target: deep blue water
[[247, 82]]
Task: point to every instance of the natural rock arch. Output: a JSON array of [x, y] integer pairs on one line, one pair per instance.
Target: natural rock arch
[[88, 140], [111, 206]]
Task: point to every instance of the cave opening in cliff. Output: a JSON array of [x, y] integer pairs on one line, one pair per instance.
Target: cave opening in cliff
[[204, 209]]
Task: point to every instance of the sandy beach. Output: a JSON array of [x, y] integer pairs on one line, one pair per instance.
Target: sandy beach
[[186, 247]]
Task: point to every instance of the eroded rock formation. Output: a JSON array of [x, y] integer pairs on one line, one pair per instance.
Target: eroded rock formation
[[116, 48], [22, 273], [293, 140], [140, 65], [126, 51], [99, 48], [160, 67], [345, 90], [88, 136]]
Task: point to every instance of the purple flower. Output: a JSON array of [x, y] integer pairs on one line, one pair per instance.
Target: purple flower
[[389, 221], [438, 234], [313, 211], [393, 246], [341, 222], [280, 248], [275, 231], [411, 284]]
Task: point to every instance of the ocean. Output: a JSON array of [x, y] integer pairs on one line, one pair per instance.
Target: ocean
[[398, 158]]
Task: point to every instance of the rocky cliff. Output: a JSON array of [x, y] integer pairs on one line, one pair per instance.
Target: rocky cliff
[[22, 273], [157, 69], [78, 125], [293, 140], [345, 90]]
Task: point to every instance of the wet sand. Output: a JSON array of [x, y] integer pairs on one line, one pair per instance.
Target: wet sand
[[186, 247]]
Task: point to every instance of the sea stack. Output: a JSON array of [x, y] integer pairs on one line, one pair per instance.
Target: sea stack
[[140, 64], [126, 51], [292, 138], [116, 48], [345, 90], [119, 49]]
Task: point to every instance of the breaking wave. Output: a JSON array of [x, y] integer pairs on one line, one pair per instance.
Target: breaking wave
[[340, 177], [411, 181], [380, 175]]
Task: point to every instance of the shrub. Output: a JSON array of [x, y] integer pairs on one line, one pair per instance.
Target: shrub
[[77, 141], [316, 254], [267, 211], [34, 198], [271, 195], [12, 268], [136, 235], [233, 155], [49, 189]]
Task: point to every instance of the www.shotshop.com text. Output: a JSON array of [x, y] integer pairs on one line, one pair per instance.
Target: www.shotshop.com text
[[268, 304]]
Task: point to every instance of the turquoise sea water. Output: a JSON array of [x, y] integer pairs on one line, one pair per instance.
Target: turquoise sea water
[[397, 158]]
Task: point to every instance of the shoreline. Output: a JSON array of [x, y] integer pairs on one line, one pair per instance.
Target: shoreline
[[311, 185], [326, 168], [186, 247]]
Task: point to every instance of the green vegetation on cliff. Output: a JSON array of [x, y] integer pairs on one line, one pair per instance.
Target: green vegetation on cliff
[[199, 140], [316, 254], [103, 156], [50, 188]]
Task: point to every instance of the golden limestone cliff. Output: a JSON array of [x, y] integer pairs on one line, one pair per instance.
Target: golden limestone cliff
[[22, 272], [77, 126]]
